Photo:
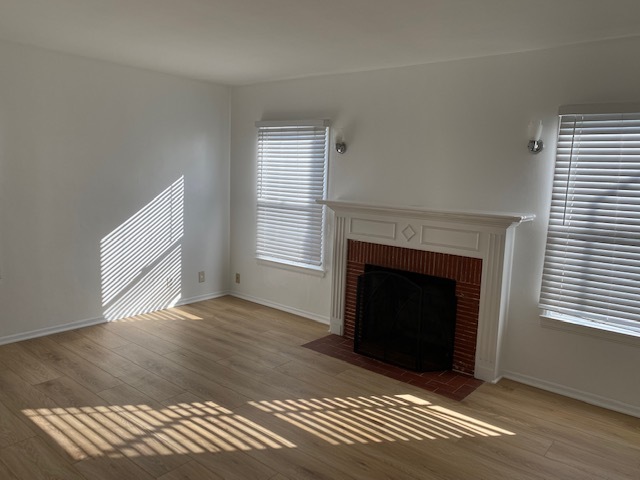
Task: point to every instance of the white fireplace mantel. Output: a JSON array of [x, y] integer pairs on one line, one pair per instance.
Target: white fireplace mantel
[[486, 235]]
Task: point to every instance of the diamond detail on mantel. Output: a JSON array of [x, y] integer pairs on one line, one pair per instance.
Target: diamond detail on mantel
[[408, 232]]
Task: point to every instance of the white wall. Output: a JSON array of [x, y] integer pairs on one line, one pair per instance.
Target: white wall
[[451, 136], [84, 145]]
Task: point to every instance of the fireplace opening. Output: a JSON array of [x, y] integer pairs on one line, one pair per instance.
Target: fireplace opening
[[405, 318]]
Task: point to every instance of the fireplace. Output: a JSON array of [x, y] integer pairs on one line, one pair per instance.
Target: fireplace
[[473, 248], [464, 272], [405, 318]]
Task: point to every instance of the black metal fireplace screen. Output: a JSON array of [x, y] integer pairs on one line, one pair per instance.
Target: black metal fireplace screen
[[405, 318]]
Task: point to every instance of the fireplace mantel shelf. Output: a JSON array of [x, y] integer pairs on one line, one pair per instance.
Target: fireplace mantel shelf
[[471, 217]]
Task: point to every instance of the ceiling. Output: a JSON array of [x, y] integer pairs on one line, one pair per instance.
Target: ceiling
[[248, 41]]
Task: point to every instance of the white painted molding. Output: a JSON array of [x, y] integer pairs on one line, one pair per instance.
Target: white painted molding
[[586, 397], [485, 235], [471, 217], [201, 298], [609, 333], [41, 332], [316, 272], [338, 281], [267, 303]]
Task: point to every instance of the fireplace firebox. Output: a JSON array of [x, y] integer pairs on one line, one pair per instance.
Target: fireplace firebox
[[405, 318]]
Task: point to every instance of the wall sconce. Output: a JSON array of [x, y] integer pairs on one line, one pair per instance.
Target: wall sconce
[[341, 146], [535, 133]]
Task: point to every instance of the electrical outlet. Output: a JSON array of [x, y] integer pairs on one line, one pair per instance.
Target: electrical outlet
[[237, 278], [200, 277]]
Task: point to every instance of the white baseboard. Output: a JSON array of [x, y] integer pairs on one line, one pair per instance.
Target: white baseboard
[[586, 397], [201, 298], [41, 332], [184, 301], [284, 308]]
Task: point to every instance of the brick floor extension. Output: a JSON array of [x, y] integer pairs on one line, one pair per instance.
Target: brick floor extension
[[447, 383]]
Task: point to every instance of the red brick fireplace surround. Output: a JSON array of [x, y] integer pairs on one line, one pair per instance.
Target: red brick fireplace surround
[[466, 272]]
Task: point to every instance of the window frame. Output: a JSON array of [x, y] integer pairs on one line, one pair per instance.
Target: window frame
[[321, 233], [615, 329]]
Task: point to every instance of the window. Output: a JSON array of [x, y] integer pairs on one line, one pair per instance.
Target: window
[[292, 175], [592, 261]]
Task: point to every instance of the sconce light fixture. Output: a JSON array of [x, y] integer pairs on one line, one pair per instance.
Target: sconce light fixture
[[535, 133], [341, 146]]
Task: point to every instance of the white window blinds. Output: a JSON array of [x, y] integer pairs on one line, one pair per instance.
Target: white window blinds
[[292, 175], [592, 261]]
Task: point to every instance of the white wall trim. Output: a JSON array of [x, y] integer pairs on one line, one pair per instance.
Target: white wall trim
[[201, 298], [41, 332], [591, 329], [316, 272], [267, 303], [586, 397]]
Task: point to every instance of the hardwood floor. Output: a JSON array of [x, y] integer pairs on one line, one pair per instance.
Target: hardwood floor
[[222, 389]]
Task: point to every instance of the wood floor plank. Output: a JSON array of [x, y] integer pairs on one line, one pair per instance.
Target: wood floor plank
[[202, 338], [208, 342], [135, 335], [18, 395], [232, 334], [176, 333], [183, 378], [126, 395], [614, 427], [36, 408], [67, 393], [5, 473], [250, 387], [95, 353], [297, 464], [13, 429], [15, 357], [191, 471], [101, 335], [488, 400], [523, 462], [183, 398], [151, 384], [235, 466], [73, 366], [590, 462], [249, 344], [332, 385], [43, 463], [112, 469]]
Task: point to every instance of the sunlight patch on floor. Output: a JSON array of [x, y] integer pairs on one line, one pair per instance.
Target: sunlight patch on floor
[[199, 427], [382, 418], [140, 430], [162, 315]]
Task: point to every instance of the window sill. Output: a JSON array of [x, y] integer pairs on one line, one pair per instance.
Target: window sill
[[592, 329], [316, 272]]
